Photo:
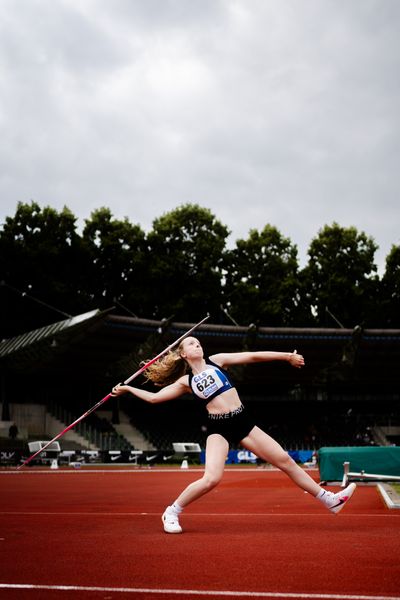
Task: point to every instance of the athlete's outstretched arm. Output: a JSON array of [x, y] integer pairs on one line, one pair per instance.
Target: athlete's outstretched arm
[[224, 359], [169, 392]]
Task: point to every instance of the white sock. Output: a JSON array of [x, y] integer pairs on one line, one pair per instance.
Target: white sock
[[176, 508], [325, 496]]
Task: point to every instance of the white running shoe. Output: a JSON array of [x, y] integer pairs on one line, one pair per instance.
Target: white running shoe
[[335, 502], [171, 521]]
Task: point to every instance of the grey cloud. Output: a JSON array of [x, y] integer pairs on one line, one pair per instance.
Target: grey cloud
[[282, 112]]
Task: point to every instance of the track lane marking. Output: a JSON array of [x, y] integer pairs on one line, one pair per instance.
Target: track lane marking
[[213, 593], [114, 469], [202, 515]]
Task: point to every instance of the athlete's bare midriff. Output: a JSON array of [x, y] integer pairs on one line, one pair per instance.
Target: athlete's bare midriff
[[224, 403]]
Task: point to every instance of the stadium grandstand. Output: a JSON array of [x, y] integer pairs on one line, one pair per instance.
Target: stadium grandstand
[[347, 395]]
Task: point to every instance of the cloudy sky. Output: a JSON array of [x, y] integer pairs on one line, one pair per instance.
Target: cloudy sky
[[265, 111]]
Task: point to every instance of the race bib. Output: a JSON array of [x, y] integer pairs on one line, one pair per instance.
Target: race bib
[[208, 382]]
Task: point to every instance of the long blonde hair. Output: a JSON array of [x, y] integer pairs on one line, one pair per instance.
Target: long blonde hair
[[168, 369]]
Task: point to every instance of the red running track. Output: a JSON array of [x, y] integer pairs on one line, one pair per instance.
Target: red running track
[[68, 534]]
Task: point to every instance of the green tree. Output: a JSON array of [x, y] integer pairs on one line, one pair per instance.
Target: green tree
[[261, 279], [41, 254], [119, 259], [340, 280], [187, 247], [390, 290]]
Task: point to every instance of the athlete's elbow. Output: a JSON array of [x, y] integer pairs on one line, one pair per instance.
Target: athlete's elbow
[[255, 357], [156, 399]]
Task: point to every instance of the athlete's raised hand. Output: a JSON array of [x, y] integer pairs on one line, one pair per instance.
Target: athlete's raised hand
[[296, 360]]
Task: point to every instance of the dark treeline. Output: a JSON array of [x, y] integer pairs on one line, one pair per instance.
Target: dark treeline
[[182, 269]]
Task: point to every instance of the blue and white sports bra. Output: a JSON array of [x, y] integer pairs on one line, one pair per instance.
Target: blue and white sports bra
[[210, 383]]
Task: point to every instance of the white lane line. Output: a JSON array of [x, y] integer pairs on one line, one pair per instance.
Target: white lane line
[[114, 470], [202, 515], [183, 592]]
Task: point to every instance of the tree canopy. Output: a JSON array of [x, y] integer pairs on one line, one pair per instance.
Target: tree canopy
[[187, 248], [261, 279], [340, 280], [182, 268]]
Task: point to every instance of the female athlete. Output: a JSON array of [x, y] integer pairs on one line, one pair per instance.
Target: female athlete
[[187, 370]]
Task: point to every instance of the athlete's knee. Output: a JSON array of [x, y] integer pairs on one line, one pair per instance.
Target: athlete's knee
[[285, 462], [211, 480]]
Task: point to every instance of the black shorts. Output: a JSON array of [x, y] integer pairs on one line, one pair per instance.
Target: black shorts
[[233, 426]]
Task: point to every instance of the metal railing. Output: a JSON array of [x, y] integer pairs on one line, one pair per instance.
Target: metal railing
[[103, 440]]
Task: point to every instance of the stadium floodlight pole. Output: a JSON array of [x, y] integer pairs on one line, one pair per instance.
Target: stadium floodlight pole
[[131, 378]]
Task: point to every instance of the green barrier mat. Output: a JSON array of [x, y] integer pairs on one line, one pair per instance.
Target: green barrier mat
[[381, 460]]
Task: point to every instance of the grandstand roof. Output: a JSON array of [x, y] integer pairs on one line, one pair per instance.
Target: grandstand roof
[[98, 344]]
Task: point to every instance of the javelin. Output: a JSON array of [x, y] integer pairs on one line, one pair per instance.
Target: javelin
[[138, 372]]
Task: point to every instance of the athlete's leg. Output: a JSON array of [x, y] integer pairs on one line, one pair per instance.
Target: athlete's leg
[[216, 452], [265, 447]]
